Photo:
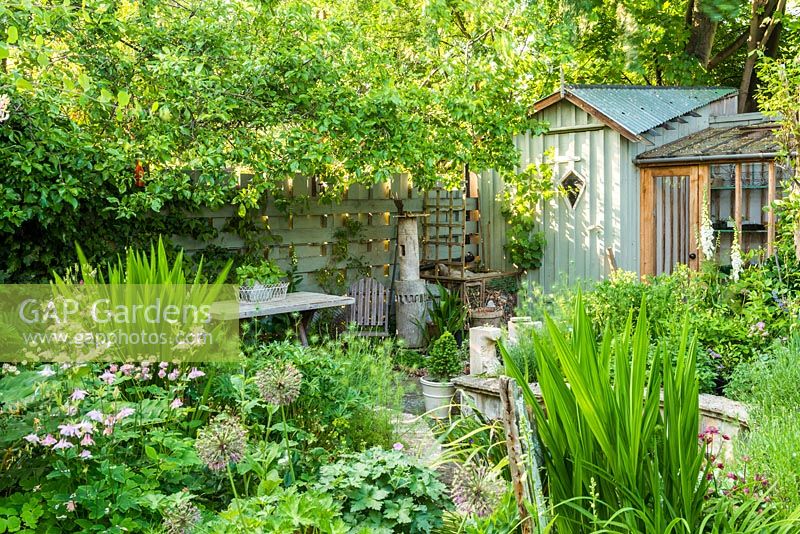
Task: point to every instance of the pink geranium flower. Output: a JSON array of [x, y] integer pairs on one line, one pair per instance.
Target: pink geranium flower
[[177, 403], [48, 440], [63, 444], [31, 438], [78, 394], [87, 440]]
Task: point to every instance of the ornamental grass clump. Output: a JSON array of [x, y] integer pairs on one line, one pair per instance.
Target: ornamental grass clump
[[614, 459]]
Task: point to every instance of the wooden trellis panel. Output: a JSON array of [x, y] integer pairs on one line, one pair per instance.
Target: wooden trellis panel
[[310, 231]]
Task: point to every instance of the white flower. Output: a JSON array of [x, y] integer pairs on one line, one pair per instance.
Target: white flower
[[47, 372], [5, 102], [108, 377], [736, 255], [85, 427], [69, 430], [707, 243], [63, 444]]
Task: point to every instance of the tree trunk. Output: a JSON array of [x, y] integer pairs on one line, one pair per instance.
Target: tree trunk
[[702, 30], [763, 36]]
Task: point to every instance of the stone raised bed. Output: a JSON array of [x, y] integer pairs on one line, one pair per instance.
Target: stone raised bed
[[730, 417]]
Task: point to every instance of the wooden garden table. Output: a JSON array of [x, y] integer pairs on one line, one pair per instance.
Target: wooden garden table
[[304, 302]]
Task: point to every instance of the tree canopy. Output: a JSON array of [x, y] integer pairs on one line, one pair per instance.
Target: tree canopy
[[125, 114]]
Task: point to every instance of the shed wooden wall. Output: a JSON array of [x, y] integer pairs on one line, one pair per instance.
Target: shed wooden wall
[[607, 214]]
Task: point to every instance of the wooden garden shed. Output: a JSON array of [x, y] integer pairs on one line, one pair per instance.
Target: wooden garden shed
[[730, 166], [596, 133]]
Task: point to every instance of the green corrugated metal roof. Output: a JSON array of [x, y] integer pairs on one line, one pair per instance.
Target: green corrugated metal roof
[[639, 108]]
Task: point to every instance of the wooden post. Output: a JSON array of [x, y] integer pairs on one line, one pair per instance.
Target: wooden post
[[647, 246], [695, 210], [771, 197], [514, 454], [737, 202]]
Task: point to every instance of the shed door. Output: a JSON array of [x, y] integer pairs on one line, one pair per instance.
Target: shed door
[[670, 203]]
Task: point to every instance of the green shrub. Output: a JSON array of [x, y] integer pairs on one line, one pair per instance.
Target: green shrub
[[444, 359], [350, 393], [733, 321], [385, 492], [283, 510]]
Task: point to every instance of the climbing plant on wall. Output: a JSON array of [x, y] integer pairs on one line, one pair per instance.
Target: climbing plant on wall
[[523, 198]]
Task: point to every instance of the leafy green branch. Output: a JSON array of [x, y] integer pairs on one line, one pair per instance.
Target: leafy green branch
[[522, 200]]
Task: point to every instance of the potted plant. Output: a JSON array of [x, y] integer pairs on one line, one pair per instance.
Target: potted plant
[[444, 362], [261, 282], [446, 312]]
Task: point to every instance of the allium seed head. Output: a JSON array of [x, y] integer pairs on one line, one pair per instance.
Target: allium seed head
[[181, 518], [223, 441], [477, 489], [279, 383]]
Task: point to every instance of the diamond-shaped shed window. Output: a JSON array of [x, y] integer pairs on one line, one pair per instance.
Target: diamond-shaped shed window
[[572, 186]]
